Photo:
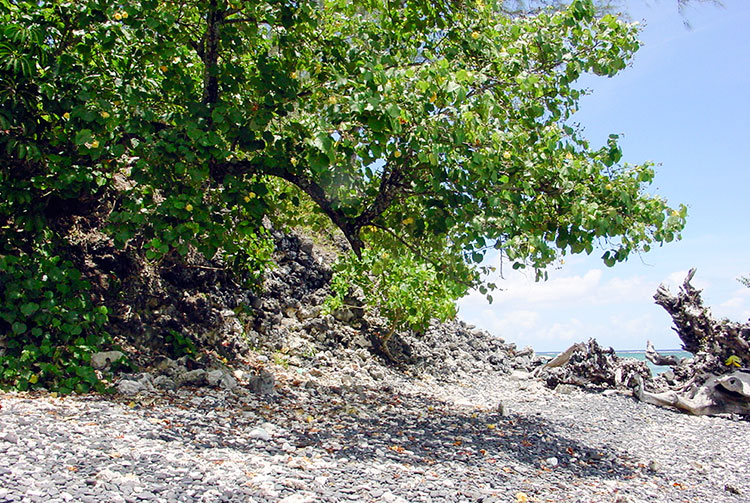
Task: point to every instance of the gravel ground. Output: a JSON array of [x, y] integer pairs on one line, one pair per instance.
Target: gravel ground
[[405, 440]]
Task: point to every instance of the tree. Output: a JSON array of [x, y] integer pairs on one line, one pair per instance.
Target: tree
[[428, 130]]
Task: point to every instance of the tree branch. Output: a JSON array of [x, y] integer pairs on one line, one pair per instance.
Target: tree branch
[[214, 19], [349, 226]]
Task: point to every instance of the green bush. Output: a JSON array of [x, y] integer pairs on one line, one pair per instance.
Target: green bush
[[48, 325], [403, 289]]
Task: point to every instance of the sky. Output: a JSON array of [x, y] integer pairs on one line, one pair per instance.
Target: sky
[[685, 104]]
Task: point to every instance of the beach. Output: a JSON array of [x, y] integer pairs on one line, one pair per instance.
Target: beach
[[490, 437]]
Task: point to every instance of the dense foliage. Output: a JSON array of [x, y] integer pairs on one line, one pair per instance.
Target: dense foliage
[[426, 132]]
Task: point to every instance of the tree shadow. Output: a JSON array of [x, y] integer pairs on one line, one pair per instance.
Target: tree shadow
[[368, 424], [363, 425]]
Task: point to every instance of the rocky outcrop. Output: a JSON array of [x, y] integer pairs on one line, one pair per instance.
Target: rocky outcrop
[[202, 312]]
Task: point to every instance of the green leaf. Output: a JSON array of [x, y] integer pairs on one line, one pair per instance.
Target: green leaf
[[83, 136], [29, 308], [318, 162], [377, 124]]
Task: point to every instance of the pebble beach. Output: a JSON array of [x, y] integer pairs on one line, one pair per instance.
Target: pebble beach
[[487, 438]]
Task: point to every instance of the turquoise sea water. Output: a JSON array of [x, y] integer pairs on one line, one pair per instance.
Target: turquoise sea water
[[640, 355]]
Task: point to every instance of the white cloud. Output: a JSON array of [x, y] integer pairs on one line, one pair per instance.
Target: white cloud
[[732, 303], [510, 322], [568, 332], [618, 290], [587, 288], [736, 307], [519, 288], [581, 301], [675, 280]]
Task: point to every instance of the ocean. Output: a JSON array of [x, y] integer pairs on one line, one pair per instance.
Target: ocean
[[640, 355]]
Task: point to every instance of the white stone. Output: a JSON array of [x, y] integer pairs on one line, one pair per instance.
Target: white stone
[[103, 359], [130, 387], [518, 375], [10, 437], [299, 498], [213, 377], [346, 380], [552, 461], [259, 433], [502, 409], [564, 389]]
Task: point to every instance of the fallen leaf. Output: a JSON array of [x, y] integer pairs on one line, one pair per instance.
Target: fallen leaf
[[522, 498]]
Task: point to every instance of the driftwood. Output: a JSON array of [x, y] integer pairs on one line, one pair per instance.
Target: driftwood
[[714, 380], [589, 365], [654, 357], [729, 394], [712, 341]]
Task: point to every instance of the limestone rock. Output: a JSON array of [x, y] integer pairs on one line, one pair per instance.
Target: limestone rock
[[165, 383], [104, 359], [191, 378], [260, 434], [262, 383], [222, 379], [128, 387]]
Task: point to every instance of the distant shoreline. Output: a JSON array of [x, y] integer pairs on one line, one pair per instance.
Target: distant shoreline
[[618, 351], [638, 355]]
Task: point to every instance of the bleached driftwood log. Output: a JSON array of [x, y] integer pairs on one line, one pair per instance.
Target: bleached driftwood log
[[590, 365], [712, 341], [728, 394], [657, 359], [716, 380]]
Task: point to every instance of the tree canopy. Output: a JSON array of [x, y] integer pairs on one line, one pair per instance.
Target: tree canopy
[[426, 132]]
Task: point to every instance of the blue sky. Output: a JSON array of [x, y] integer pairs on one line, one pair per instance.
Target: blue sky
[[685, 104]]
